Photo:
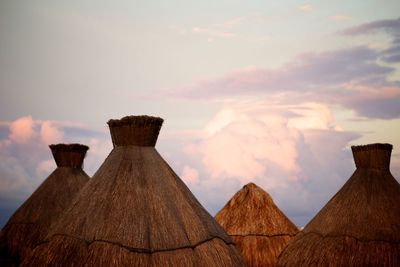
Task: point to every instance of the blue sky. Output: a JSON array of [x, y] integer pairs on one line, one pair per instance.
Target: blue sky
[[263, 91]]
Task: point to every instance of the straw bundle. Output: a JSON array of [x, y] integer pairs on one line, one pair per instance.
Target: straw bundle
[[30, 223], [257, 226], [360, 225], [135, 211]]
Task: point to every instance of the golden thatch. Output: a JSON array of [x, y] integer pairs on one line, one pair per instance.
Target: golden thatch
[[360, 225], [29, 225], [135, 211], [257, 226]]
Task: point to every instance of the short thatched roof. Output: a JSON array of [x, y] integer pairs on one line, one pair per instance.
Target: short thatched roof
[[360, 225], [30, 223], [257, 226], [135, 211]]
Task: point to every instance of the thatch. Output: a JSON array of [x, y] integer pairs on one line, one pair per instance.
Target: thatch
[[257, 226], [135, 211], [29, 225], [360, 225]]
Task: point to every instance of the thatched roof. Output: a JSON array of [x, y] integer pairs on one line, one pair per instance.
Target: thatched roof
[[360, 225], [257, 226], [30, 223], [135, 211]]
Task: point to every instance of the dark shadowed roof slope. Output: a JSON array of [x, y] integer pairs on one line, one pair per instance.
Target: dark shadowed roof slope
[[30, 223], [360, 225], [258, 227], [135, 211]]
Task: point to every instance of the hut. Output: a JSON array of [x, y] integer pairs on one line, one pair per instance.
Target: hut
[[29, 225], [136, 211], [258, 227], [360, 225]]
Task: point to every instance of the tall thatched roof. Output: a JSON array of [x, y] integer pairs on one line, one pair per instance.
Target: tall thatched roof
[[360, 225], [257, 226], [30, 223], [135, 211]]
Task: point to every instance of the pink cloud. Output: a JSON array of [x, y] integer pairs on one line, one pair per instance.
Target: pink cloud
[[306, 8], [297, 152], [190, 175], [50, 134], [25, 158], [213, 33], [249, 142], [339, 18], [22, 130], [335, 78]]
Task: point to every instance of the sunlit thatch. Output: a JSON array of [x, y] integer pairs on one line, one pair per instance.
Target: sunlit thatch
[[258, 227]]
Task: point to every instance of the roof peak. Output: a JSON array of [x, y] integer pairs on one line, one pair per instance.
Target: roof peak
[[262, 215], [372, 155], [139, 130], [69, 155]]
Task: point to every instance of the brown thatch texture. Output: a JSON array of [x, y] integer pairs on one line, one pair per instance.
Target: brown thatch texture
[[135, 130], [360, 225], [258, 227], [30, 223], [69, 155], [136, 211]]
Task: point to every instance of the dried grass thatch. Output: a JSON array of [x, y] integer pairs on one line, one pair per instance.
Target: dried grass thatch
[[257, 226], [30, 223], [135, 211], [360, 225]]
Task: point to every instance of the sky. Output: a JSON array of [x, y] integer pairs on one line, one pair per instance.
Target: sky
[[270, 92]]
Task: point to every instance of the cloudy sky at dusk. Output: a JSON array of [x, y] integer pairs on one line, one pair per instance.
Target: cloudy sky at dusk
[[273, 92]]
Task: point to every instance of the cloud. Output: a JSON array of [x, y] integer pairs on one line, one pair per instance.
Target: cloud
[[330, 77], [240, 20], [50, 134], [297, 153], [21, 130], [242, 147], [26, 160], [306, 8], [212, 33], [339, 18], [390, 25], [190, 175]]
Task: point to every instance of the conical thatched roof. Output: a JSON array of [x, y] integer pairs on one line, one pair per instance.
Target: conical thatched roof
[[135, 211], [30, 223], [360, 225], [257, 226]]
